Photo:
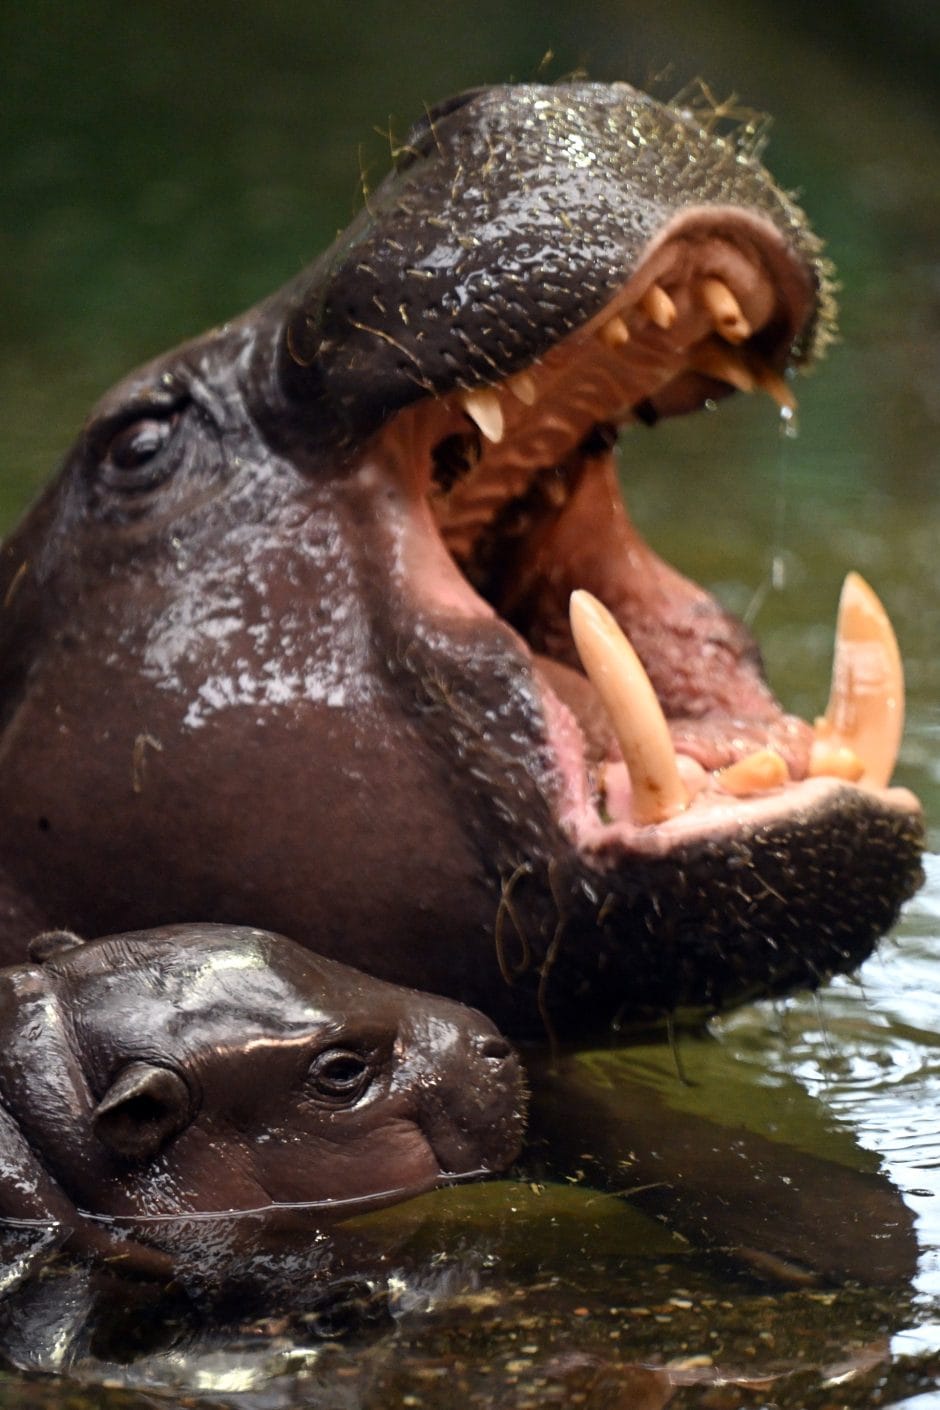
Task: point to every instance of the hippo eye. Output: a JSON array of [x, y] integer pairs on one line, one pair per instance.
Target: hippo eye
[[340, 1075], [131, 460]]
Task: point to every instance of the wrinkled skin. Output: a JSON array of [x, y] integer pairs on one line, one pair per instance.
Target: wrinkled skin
[[208, 1069], [253, 670]]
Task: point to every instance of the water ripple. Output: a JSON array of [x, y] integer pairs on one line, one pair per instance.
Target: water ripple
[[868, 1050]]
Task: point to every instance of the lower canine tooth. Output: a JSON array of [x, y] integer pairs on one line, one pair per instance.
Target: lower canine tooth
[[483, 408], [755, 773], [659, 307], [865, 714], [617, 674]]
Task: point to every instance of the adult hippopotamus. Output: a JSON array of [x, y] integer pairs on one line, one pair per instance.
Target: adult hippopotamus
[[287, 641], [198, 1070]]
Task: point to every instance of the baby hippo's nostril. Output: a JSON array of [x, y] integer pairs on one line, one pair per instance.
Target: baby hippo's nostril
[[495, 1048]]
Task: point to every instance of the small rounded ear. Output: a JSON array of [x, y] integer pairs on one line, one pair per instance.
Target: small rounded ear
[[144, 1107], [51, 943]]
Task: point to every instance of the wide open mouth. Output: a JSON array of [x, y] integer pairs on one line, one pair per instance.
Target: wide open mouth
[[660, 721]]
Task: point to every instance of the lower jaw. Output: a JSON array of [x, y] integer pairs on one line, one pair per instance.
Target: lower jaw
[[586, 920], [686, 927]]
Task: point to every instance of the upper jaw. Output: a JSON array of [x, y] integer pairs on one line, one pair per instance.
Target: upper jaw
[[513, 218]]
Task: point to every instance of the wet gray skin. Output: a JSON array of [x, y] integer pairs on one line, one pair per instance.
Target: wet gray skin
[[150, 1080], [285, 643]]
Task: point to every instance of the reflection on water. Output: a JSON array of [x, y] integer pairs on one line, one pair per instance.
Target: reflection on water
[[484, 1344], [868, 1050]]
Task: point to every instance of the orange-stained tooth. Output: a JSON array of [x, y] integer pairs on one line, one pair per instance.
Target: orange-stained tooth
[[834, 761], [724, 309], [659, 307], [865, 714], [723, 364], [614, 333], [616, 672], [773, 384], [523, 387], [759, 772], [483, 408]]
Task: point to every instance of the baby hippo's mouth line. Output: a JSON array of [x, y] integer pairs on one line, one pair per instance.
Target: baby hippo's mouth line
[[657, 713]]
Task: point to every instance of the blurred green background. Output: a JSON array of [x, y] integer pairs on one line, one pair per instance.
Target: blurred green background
[[167, 162]]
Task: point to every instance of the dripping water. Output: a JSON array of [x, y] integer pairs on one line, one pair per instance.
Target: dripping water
[[775, 579]]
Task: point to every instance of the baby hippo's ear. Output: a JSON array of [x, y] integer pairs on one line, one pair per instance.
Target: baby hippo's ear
[[144, 1107], [52, 943]]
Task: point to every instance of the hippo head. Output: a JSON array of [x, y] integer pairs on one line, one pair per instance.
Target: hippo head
[[287, 642], [211, 1069]]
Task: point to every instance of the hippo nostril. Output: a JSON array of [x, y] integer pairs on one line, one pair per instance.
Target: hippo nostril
[[496, 1049]]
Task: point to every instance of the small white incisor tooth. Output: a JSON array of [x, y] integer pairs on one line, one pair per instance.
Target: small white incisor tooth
[[614, 333], [483, 408], [865, 714], [523, 387], [659, 307], [759, 772], [616, 672], [724, 310]]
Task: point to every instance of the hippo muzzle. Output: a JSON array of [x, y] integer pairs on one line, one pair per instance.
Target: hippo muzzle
[[289, 643], [153, 1079]]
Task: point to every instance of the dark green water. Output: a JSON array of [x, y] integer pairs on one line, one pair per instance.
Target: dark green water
[[164, 165]]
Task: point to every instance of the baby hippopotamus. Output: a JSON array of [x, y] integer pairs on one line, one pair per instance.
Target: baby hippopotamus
[[151, 1079]]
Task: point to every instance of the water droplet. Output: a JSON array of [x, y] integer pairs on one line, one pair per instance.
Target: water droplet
[[789, 423]]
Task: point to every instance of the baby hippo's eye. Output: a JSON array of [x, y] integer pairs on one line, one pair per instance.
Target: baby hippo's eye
[[131, 459], [340, 1076]]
